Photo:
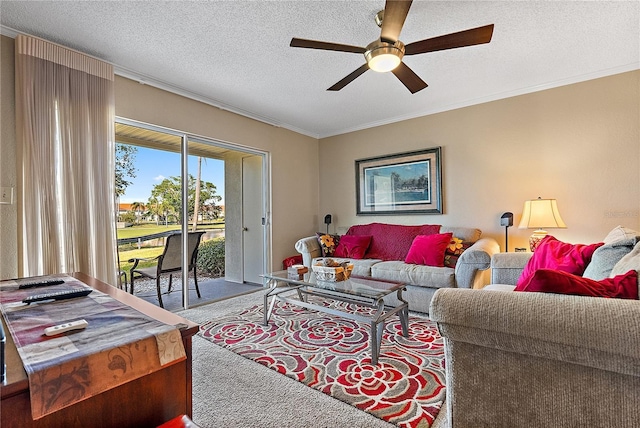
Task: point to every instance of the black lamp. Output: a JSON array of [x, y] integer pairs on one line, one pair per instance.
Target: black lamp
[[327, 221], [506, 220]]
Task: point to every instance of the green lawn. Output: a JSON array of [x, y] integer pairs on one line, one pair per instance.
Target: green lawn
[[143, 253], [152, 228], [145, 229], [150, 252]]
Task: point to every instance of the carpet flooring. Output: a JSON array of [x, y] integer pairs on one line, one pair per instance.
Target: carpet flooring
[[232, 391]]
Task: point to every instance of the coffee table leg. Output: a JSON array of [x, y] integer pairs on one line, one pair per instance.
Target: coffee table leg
[[377, 326], [267, 311], [404, 321], [404, 314], [376, 340]]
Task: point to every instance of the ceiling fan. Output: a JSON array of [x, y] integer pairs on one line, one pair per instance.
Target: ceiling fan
[[385, 54]]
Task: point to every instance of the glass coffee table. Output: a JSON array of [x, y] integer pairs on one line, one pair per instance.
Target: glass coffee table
[[362, 291]]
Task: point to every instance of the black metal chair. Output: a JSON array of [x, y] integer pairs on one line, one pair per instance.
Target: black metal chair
[[123, 283], [170, 261]]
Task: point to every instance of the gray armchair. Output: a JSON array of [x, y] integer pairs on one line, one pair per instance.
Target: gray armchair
[[520, 359]]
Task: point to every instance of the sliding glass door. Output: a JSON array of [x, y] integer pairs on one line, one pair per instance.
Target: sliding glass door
[[170, 183], [149, 195]]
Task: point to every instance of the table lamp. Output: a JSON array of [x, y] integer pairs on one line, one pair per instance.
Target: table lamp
[[540, 214]]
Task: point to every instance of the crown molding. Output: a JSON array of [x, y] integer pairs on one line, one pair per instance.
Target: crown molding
[[9, 32], [147, 80]]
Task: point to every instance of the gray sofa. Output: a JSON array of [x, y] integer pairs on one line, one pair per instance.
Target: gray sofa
[[520, 359], [471, 271]]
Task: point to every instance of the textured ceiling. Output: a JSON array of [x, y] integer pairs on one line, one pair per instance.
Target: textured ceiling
[[236, 54]]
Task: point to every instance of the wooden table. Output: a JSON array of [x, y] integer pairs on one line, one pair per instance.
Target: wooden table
[[148, 401]]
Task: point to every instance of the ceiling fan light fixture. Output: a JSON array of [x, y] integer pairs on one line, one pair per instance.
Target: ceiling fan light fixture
[[382, 56]]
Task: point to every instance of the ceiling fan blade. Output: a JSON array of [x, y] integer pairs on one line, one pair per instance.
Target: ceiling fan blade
[[314, 44], [395, 12], [474, 36], [350, 78], [410, 79]]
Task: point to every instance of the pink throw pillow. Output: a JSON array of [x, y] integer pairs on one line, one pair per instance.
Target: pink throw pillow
[[352, 247], [558, 255], [428, 250], [554, 281]]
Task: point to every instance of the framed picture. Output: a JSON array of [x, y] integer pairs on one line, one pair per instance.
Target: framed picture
[[404, 183]]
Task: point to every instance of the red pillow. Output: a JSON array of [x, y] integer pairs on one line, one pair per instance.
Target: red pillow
[[554, 281], [352, 247], [558, 255], [429, 250]]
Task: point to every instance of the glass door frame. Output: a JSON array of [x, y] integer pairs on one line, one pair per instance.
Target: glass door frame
[[184, 167]]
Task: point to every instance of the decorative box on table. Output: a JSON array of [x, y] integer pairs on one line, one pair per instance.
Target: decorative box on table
[[297, 271], [330, 270]]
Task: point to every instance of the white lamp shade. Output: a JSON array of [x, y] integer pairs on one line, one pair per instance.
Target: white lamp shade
[[541, 214]]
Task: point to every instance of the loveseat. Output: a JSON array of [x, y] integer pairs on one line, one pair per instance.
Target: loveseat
[[519, 359], [384, 258]]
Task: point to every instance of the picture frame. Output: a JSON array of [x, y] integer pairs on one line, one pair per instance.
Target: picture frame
[[402, 183]]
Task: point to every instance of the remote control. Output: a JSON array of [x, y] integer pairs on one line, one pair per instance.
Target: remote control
[[63, 328], [41, 283], [60, 295]]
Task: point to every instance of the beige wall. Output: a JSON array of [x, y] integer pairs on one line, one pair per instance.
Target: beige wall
[[8, 213], [578, 143], [294, 157]]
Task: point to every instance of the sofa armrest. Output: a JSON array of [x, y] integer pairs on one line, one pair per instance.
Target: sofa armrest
[[539, 359], [309, 248], [589, 331], [506, 268], [472, 269]]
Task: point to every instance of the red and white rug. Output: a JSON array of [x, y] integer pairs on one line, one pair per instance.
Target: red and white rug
[[332, 354]]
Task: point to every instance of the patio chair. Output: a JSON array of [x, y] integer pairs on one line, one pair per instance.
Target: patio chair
[[123, 283], [170, 261]]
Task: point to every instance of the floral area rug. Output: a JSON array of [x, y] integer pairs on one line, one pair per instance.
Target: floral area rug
[[332, 354]]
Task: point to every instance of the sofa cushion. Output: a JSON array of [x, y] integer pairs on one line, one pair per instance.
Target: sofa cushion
[[619, 233], [463, 238], [606, 257], [328, 243], [429, 250], [424, 276], [628, 262], [391, 241], [352, 246], [554, 254], [499, 287], [554, 281], [467, 234]]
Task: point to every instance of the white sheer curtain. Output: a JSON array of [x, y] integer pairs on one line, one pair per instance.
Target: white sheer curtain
[[65, 130]]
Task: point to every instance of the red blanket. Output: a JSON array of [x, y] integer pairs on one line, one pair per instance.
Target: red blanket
[[391, 241]]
